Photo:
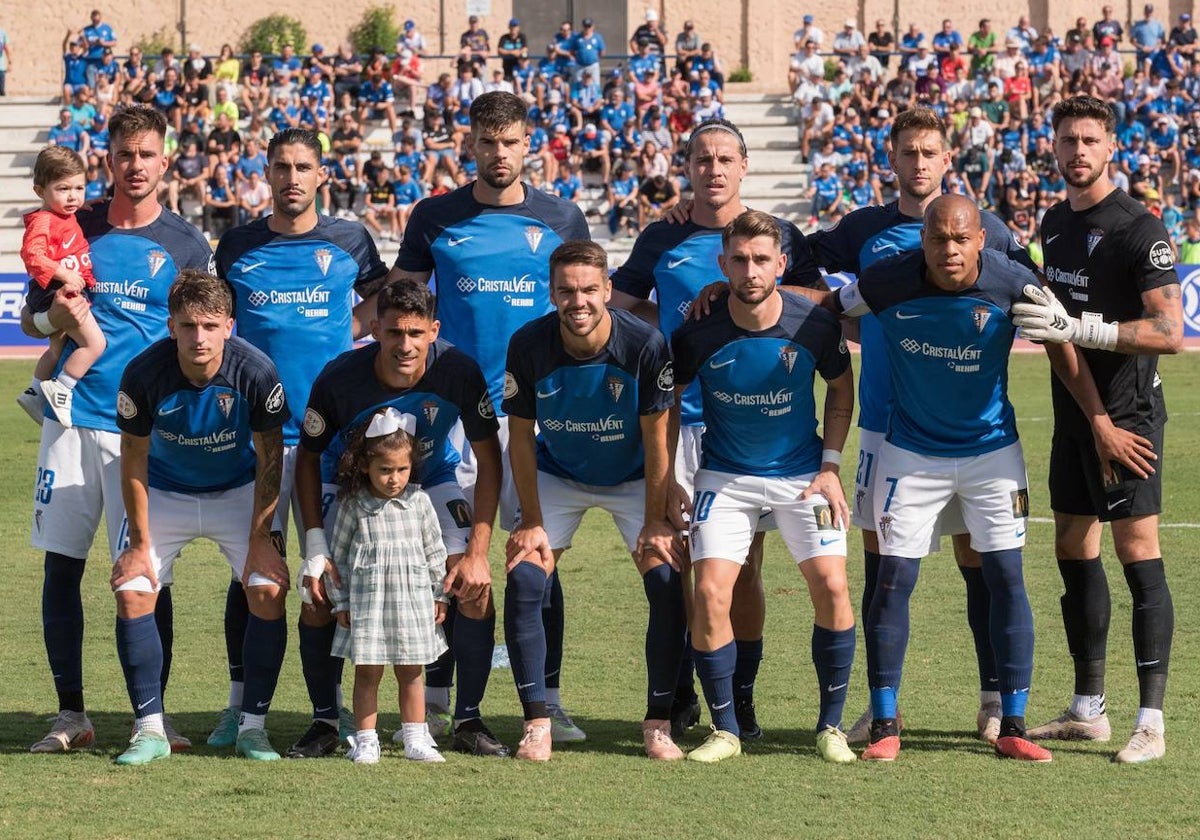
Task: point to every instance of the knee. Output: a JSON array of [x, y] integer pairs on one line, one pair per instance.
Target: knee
[[526, 583], [713, 597], [314, 615], [477, 609], [266, 602]]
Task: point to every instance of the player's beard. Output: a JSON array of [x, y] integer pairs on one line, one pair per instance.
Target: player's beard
[[498, 182], [1086, 181], [751, 295]]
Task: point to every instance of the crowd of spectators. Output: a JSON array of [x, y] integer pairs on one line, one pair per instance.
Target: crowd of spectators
[[995, 87], [609, 138]]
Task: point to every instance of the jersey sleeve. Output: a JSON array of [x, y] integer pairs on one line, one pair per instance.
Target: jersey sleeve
[[320, 424], [683, 352], [519, 384], [656, 390], [415, 253], [833, 250], [635, 277], [268, 405], [802, 267], [35, 249], [1152, 261], [135, 414], [476, 410], [1000, 238], [835, 360], [371, 270]]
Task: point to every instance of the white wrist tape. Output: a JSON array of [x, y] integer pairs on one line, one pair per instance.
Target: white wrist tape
[[1094, 333], [831, 456], [316, 552]]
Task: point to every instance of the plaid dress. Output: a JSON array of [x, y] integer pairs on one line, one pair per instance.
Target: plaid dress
[[392, 563]]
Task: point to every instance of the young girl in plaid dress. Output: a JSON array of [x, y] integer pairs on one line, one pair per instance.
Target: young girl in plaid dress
[[391, 562]]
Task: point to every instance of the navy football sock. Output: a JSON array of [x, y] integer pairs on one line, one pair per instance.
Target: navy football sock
[[140, 652], [978, 610], [318, 668], [715, 670], [554, 620], [474, 641], [870, 573], [62, 627], [887, 626], [685, 682], [164, 619], [440, 672], [266, 644], [1011, 623], [749, 655], [237, 613], [833, 657], [525, 636], [664, 638], [1153, 627]]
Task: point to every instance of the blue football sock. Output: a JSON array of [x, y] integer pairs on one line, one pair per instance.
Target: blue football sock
[[266, 644], [474, 641], [883, 702], [317, 665], [978, 611], [870, 573], [164, 619], [237, 613], [887, 626], [664, 638], [715, 670], [1011, 623], [685, 682], [554, 620], [833, 657], [140, 652], [524, 634], [440, 672], [749, 655], [62, 627]]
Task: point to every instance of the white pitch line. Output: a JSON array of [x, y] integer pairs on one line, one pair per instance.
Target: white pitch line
[[1042, 520]]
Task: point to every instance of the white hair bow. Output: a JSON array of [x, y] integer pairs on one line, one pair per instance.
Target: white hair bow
[[390, 420]]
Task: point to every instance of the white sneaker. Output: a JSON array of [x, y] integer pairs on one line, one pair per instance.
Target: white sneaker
[[33, 404], [59, 397], [70, 731], [1146, 744], [562, 728], [363, 752], [423, 750], [987, 722]]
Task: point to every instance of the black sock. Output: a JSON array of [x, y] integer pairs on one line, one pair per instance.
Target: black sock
[[1153, 627], [237, 614], [164, 618], [1086, 610], [317, 665], [62, 627]]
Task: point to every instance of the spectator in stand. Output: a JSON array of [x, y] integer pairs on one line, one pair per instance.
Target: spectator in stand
[[1107, 27], [1080, 33], [197, 63], [438, 96], [379, 206], [188, 176], [825, 193], [641, 63], [467, 86], [974, 161], [511, 46], [75, 65], [195, 99], [865, 62], [808, 32], [623, 201], [910, 42], [1147, 35], [707, 107], [901, 92], [1004, 66], [649, 33], [1018, 92], [591, 153], [256, 77], [222, 140], [97, 37], [376, 100], [568, 184], [220, 205], [1165, 139], [1189, 246], [946, 38], [253, 159], [408, 193], [847, 42], [475, 43], [286, 70], [656, 197], [440, 149], [68, 133], [412, 39], [882, 43], [406, 79], [254, 198], [1023, 32], [314, 116], [806, 66], [982, 47], [687, 44], [708, 62], [654, 129], [133, 73], [5, 59], [169, 98], [284, 114], [318, 59], [340, 189], [347, 74], [167, 60], [587, 48], [83, 112]]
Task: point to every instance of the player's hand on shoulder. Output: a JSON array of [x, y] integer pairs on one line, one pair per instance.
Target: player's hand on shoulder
[[701, 305], [680, 213], [131, 564]]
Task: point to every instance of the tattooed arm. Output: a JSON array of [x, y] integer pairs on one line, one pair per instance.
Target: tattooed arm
[[265, 557], [1160, 329]]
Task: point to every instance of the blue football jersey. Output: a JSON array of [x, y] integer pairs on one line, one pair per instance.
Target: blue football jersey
[[756, 388], [295, 295], [201, 437], [589, 410], [134, 268], [677, 261], [947, 353], [491, 266], [348, 392], [862, 238]]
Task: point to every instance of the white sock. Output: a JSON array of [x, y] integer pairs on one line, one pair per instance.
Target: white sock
[[249, 721], [67, 380], [553, 697], [1152, 718], [414, 734], [438, 695], [151, 723], [1087, 706], [236, 690], [986, 697], [366, 736]]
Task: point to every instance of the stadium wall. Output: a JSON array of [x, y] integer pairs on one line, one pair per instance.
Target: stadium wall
[[753, 33]]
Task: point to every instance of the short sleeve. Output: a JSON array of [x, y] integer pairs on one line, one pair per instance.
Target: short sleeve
[[135, 414], [802, 267], [320, 416], [519, 385], [636, 276], [656, 388], [415, 253], [1152, 261], [371, 270], [476, 410], [268, 404]]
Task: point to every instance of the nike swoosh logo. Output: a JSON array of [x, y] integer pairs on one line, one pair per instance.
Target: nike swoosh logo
[[323, 709], [147, 703], [661, 693], [904, 317], [1142, 664], [548, 394], [833, 688], [1050, 239], [1112, 505], [828, 540], [884, 246], [163, 412], [455, 242], [472, 708], [67, 243], [678, 262], [262, 704], [524, 685], [246, 269], [722, 706], [716, 366], [1021, 533]]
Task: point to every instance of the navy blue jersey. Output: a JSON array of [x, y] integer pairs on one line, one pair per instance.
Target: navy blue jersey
[[862, 238], [757, 387], [589, 410], [947, 353], [200, 436], [677, 261], [295, 295], [491, 266], [348, 392], [134, 268]]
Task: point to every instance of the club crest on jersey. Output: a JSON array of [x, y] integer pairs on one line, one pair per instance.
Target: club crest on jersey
[[788, 356], [510, 386], [314, 423], [126, 407], [1161, 256], [885, 525], [1093, 239], [980, 315], [533, 235], [156, 260], [275, 399], [225, 402], [486, 410], [324, 257], [430, 409], [666, 377], [615, 387]]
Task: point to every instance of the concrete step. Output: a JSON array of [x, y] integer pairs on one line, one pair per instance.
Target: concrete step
[[23, 142], [791, 183], [17, 160], [744, 114], [772, 161], [17, 117]]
